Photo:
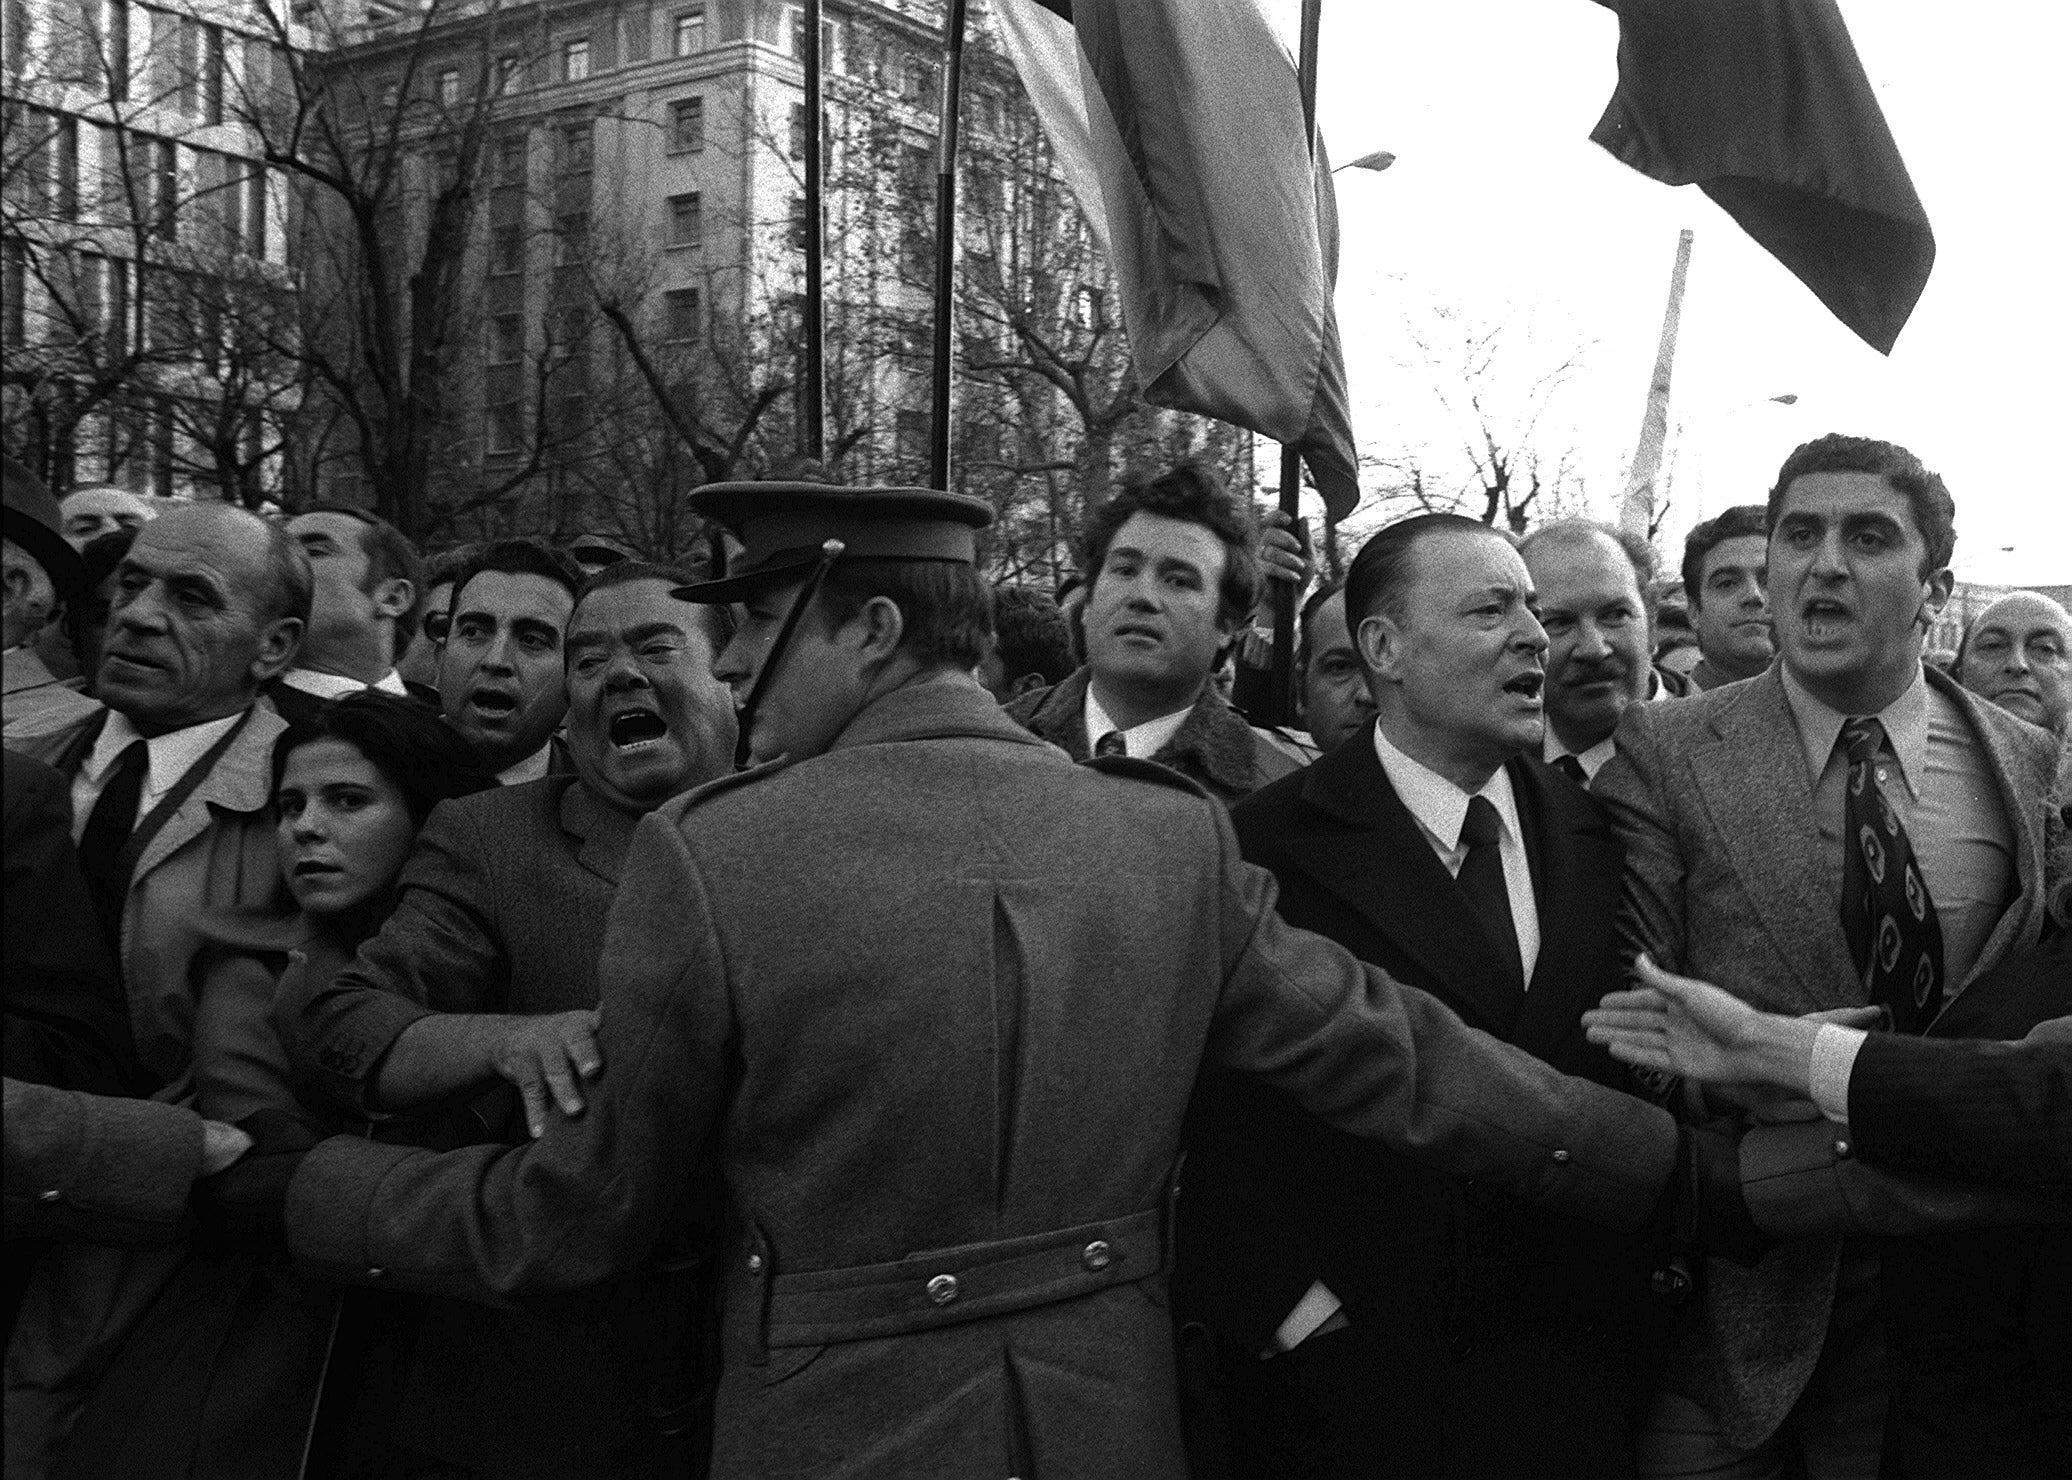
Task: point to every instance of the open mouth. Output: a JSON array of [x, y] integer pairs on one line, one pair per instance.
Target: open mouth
[[1526, 685], [491, 702], [636, 727]]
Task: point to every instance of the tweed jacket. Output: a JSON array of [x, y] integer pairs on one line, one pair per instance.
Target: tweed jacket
[[1728, 879], [99, 1167], [942, 995], [215, 859], [34, 700], [501, 909], [1214, 746], [1453, 1279]]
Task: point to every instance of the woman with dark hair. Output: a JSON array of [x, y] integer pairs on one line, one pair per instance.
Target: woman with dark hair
[[221, 1377]]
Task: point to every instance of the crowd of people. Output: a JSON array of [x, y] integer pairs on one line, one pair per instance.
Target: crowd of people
[[539, 1011]]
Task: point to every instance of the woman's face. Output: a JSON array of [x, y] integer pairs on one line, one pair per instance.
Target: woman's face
[[344, 828]]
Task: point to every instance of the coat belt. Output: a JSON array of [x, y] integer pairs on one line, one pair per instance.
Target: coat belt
[[944, 1287]]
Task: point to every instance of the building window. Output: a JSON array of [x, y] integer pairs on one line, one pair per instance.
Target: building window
[[14, 287], [188, 64], [449, 87], [575, 59], [391, 95], [795, 30], [687, 37], [510, 160], [686, 125], [910, 437], [917, 84], [255, 211], [506, 339], [505, 429], [681, 320], [800, 223], [577, 149], [571, 239], [211, 71], [686, 221], [798, 130], [507, 249], [65, 169], [165, 189], [510, 74]]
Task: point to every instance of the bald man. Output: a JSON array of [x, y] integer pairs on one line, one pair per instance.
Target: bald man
[[2017, 653]]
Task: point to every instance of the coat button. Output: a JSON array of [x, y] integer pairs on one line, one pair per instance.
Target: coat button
[[377, 1273], [1097, 1255], [755, 1264], [53, 1195], [1841, 1150], [1561, 1157], [943, 1289]]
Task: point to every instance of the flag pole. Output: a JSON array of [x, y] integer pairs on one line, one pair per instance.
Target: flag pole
[[813, 444], [1280, 707], [945, 250], [1637, 508]]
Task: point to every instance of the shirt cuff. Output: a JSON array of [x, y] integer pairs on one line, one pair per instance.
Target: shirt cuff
[[1316, 1306], [1834, 1056]]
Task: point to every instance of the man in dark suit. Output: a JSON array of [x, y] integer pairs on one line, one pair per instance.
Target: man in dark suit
[[1174, 570], [941, 996], [1372, 1316], [1847, 828], [368, 583], [487, 973]]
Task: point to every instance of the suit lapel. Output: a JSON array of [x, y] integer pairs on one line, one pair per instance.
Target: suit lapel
[[1755, 790], [602, 834], [1372, 854], [1576, 869]]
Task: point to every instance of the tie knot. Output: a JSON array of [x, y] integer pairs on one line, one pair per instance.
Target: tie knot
[[1862, 739], [1111, 744], [1481, 828]]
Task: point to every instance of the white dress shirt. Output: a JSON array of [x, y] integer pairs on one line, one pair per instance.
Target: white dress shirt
[[532, 768], [337, 685], [1140, 742], [1591, 760], [168, 758]]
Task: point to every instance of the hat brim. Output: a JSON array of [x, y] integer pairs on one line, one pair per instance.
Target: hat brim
[[52, 550], [728, 589]]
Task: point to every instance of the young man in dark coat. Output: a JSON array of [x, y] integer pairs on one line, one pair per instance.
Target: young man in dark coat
[[941, 995]]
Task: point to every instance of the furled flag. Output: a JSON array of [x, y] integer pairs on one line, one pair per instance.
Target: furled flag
[[1764, 105], [1178, 124]]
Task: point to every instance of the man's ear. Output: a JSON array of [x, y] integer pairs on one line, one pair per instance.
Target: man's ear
[[394, 596], [1028, 683], [880, 626], [1935, 592], [278, 645], [1380, 642]]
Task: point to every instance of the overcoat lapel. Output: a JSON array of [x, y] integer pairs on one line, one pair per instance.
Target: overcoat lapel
[[1756, 792], [602, 833], [1373, 855], [241, 780]]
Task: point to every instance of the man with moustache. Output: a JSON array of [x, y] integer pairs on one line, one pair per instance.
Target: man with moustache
[[1850, 827], [500, 672], [940, 994], [1592, 581], [1373, 1316], [1174, 571], [1723, 585], [486, 975]]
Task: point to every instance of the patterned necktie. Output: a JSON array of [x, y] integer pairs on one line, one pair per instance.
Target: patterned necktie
[[1111, 744], [1572, 768], [1481, 879], [1887, 913], [108, 829]]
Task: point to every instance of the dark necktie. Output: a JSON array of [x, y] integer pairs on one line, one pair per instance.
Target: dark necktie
[[108, 829], [1572, 768], [1887, 913], [1481, 879], [1111, 744]]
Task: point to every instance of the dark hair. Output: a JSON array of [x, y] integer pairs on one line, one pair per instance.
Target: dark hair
[[945, 605], [444, 569], [1034, 636], [1193, 493], [390, 557], [1317, 598], [717, 621], [1935, 512], [1381, 573], [524, 556], [1736, 523], [427, 759]]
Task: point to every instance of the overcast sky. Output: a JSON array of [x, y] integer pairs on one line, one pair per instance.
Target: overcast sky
[[1500, 209]]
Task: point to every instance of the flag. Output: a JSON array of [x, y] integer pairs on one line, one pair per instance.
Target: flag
[[1178, 125], [1764, 105]]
